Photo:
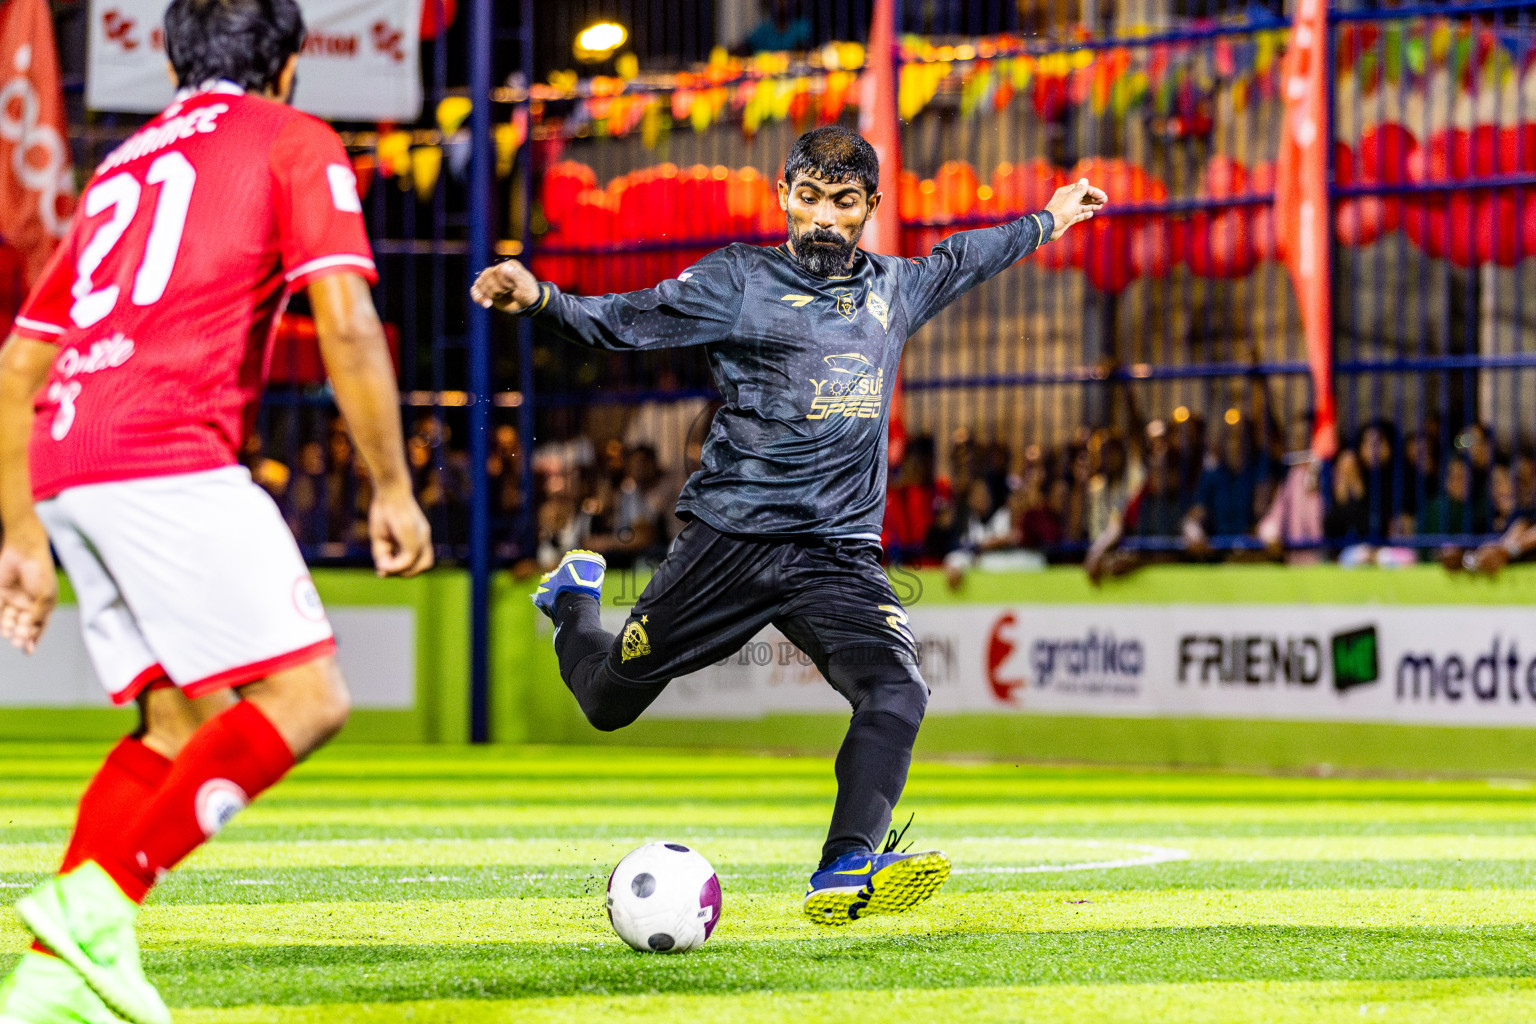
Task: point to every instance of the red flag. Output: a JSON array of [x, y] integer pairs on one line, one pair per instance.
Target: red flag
[[1301, 205], [879, 123], [37, 178], [437, 14]]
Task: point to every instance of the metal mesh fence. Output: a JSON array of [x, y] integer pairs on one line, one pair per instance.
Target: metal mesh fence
[[1148, 344]]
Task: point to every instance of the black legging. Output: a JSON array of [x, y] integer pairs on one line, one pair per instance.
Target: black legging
[[883, 686]]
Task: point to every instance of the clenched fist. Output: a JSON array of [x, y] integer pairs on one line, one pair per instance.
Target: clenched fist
[[507, 286]]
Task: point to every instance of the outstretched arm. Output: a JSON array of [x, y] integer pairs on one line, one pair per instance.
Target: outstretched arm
[[28, 586], [697, 307], [964, 260]]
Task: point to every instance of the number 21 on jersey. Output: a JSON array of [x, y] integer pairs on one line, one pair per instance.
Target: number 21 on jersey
[[120, 194]]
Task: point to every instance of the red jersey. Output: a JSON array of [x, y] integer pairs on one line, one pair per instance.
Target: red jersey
[[164, 296]]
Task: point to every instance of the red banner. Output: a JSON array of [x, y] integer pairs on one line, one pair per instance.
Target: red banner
[[1301, 205], [878, 122], [37, 184]]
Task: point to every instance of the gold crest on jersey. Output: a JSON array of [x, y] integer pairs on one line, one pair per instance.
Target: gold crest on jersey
[[842, 299], [635, 644]]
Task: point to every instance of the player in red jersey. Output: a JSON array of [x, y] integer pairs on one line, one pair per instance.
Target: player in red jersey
[[136, 367]]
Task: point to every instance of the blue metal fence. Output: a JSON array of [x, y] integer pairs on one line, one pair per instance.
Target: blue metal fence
[[1170, 311], [1051, 361], [1435, 168]]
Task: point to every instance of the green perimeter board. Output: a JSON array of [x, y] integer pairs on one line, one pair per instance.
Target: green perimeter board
[[530, 704]]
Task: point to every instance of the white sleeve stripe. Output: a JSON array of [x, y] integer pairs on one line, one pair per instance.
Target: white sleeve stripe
[[343, 260], [38, 325]]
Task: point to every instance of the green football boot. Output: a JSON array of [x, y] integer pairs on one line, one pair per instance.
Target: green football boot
[[85, 918], [46, 990]]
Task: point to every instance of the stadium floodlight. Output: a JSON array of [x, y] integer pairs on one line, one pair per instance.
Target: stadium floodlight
[[598, 42]]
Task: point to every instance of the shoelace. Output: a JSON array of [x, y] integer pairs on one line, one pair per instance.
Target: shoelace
[[892, 840]]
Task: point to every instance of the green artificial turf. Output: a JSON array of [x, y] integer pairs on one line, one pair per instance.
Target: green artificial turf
[[465, 885]]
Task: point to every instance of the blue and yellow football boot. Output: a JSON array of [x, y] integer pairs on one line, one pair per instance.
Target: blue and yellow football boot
[[579, 572], [862, 883]]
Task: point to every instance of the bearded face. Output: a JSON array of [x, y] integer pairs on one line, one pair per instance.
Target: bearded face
[[825, 220], [821, 251]]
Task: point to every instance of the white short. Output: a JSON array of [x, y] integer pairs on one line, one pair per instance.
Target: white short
[[193, 578]]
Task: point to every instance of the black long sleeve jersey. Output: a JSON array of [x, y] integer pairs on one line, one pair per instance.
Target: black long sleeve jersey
[[804, 365]]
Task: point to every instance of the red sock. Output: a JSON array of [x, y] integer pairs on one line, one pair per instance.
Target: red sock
[[124, 785], [227, 763]]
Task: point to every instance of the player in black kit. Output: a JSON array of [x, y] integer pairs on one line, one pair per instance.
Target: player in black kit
[[784, 514]]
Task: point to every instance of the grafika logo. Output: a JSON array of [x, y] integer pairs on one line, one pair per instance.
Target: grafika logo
[[1095, 663], [849, 389]]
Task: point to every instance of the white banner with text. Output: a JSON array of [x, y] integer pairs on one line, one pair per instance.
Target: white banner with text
[[359, 62], [1454, 665]]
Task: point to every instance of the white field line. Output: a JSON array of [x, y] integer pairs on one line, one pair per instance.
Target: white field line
[[1150, 855], [1147, 855]]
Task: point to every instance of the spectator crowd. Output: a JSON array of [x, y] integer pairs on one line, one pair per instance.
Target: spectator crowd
[[614, 496], [324, 491], [1244, 487]]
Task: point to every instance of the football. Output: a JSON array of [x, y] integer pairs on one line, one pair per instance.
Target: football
[[664, 898]]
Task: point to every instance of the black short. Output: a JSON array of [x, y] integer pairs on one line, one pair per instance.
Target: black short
[[714, 592]]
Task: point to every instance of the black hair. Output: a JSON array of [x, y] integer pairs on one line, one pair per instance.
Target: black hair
[[246, 42], [834, 153]]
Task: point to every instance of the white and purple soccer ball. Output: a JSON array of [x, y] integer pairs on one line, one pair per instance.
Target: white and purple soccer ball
[[664, 898]]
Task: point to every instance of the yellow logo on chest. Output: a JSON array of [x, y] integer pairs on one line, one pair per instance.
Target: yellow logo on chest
[[849, 390]]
